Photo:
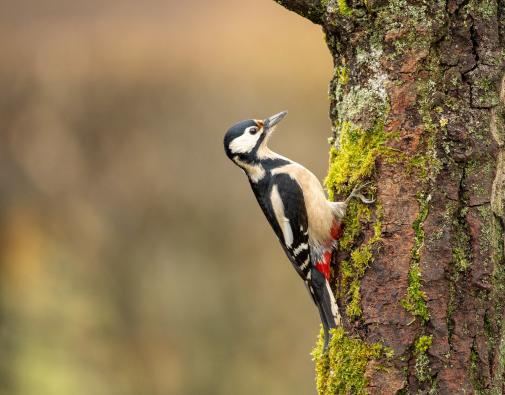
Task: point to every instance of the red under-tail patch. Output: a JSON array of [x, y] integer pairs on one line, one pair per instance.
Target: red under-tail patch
[[324, 266], [336, 230]]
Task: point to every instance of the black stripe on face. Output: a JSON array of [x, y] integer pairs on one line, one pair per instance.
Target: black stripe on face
[[254, 152]]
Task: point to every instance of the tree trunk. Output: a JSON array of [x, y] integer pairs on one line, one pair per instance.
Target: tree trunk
[[418, 108]]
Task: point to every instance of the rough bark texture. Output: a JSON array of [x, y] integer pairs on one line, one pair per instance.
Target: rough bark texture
[[419, 88]]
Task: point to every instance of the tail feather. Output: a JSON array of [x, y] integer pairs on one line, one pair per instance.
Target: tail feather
[[326, 303]]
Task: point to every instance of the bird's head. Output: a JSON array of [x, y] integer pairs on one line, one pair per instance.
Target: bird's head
[[246, 142]]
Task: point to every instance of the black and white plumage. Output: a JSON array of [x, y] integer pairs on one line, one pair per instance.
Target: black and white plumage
[[292, 198]]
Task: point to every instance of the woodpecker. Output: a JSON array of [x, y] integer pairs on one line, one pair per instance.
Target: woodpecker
[[306, 223]]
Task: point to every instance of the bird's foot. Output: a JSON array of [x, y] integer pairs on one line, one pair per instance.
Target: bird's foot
[[356, 193]]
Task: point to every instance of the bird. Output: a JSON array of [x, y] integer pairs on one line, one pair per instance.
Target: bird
[[293, 200]]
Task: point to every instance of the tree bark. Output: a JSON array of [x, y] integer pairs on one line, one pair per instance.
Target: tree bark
[[418, 107]]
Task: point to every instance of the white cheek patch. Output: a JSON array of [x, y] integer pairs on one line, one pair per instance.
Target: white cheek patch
[[245, 143], [283, 222]]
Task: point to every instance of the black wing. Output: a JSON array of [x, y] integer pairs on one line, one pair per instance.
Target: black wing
[[292, 230]]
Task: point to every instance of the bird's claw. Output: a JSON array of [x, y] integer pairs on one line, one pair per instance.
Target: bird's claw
[[356, 193]]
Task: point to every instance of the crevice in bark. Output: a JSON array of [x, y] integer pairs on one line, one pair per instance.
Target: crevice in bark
[[462, 5], [461, 256], [488, 327], [415, 300], [500, 15], [475, 44], [475, 369], [479, 204], [463, 243]]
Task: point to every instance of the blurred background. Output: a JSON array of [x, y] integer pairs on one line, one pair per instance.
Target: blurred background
[[133, 256]]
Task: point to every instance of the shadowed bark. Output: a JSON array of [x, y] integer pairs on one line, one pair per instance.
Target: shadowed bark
[[420, 85]]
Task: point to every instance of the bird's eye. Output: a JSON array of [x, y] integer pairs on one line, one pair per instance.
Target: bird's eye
[[253, 130]]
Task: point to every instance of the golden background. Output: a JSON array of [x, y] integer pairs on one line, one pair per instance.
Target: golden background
[[134, 257]]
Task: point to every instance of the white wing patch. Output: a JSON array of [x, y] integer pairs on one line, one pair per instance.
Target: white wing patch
[[245, 143], [287, 232], [283, 222]]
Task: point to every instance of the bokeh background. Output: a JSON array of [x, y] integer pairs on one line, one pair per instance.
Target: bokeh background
[[133, 256]]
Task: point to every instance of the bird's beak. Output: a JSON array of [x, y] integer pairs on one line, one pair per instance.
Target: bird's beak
[[274, 119]]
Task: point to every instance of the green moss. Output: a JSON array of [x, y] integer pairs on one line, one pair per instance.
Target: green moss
[[423, 371], [355, 214], [475, 371], [361, 257], [460, 258], [420, 163], [354, 160], [353, 269], [341, 370], [415, 300], [418, 226], [353, 309], [343, 8], [343, 75], [423, 344]]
